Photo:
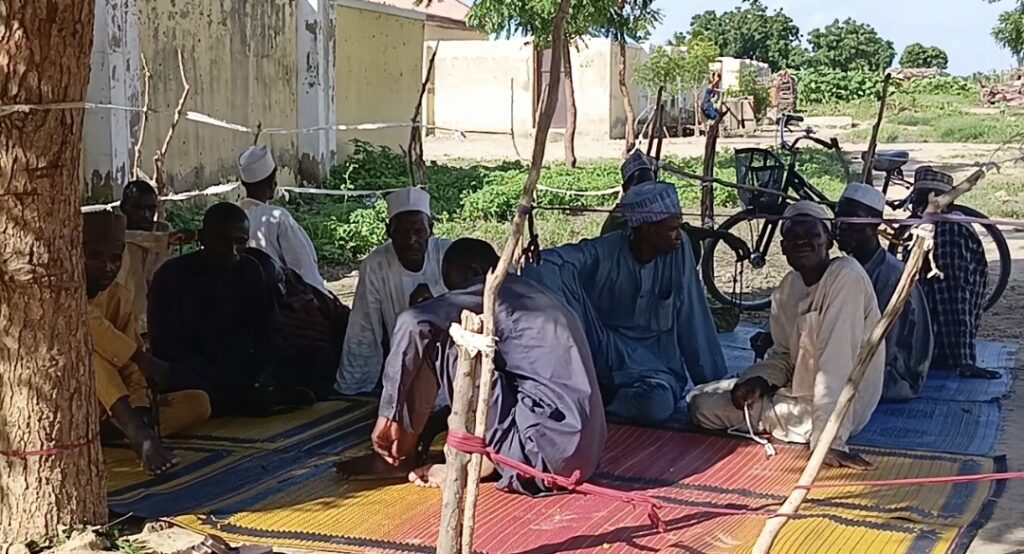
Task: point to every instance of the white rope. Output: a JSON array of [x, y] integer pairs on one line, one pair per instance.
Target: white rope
[[210, 120], [613, 190], [474, 343], [22, 108], [334, 192], [748, 433]]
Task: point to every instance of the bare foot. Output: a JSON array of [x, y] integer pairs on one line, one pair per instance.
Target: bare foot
[[974, 372], [429, 476], [371, 467], [155, 457]]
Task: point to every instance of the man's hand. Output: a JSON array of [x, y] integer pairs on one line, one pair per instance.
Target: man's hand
[[750, 391], [737, 245], [387, 440], [420, 294], [182, 237], [154, 369], [838, 458]]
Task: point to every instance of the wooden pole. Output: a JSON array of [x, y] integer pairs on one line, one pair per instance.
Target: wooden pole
[[147, 76], [414, 155], [449, 539], [869, 156], [655, 122], [158, 158], [452, 523], [707, 191], [919, 250]]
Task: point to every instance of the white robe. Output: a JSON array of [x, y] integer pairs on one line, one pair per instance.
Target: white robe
[[818, 333], [381, 294], [274, 230]]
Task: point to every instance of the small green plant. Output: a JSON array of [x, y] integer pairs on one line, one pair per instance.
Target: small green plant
[[750, 85]]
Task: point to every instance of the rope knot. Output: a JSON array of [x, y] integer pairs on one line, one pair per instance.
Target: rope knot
[[474, 343]]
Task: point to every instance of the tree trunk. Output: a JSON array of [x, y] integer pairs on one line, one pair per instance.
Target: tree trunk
[[570, 110], [51, 468], [627, 103]]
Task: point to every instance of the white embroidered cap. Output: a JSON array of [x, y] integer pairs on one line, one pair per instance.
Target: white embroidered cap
[[865, 194], [410, 199], [255, 164]]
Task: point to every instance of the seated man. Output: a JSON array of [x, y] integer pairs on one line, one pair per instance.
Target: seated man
[[211, 316], [311, 325], [957, 299], [642, 306], [822, 312], [148, 244], [403, 272], [636, 170], [272, 228], [908, 346], [123, 367], [546, 409]]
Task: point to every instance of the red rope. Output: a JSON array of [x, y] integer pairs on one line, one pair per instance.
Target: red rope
[[472, 444], [45, 452]]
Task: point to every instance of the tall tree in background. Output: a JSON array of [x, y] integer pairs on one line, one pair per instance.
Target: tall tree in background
[[1009, 31], [628, 20], [850, 46], [534, 18], [51, 470], [750, 31], [919, 56]]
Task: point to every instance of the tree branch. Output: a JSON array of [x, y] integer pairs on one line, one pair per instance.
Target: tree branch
[[160, 156]]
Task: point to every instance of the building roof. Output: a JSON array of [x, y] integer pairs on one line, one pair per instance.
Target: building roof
[[446, 9]]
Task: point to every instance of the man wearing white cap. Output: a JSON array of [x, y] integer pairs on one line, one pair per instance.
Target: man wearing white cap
[[642, 306], [272, 228], [821, 314], [908, 346], [957, 299], [403, 272]]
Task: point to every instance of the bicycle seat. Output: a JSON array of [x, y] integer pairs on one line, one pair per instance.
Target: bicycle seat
[[891, 160], [790, 118]]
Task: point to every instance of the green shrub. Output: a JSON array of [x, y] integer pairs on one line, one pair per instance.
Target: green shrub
[[825, 86]]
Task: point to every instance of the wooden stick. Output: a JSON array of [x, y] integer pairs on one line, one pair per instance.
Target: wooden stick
[[654, 122], [707, 191], [158, 158], [869, 156], [147, 76], [449, 539], [919, 250], [496, 277], [414, 156]]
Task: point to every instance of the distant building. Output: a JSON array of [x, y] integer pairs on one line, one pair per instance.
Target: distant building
[[446, 19]]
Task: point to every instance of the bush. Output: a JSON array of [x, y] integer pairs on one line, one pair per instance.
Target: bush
[[750, 85], [825, 86]]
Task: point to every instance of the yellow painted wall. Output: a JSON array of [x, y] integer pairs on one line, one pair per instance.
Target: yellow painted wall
[[240, 60], [379, 71], [484, 86], [590, 79]]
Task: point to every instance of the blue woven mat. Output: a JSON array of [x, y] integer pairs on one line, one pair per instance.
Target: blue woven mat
[[934, 425]]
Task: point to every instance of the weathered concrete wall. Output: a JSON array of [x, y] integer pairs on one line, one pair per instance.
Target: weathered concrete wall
[[240, 58], [634, 56], [440, 32], [379, 72], [484, 86], [732, 67], [590, 67]]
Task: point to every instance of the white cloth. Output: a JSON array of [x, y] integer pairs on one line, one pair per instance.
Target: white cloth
[[274, 230], [818, 333], [255, 164], [865, 194], [382, 293], [408, 200]]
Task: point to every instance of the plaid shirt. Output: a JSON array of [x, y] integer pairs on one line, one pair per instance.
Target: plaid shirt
[[956, 300]]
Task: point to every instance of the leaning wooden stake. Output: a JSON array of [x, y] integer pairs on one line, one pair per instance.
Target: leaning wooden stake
[[147, 76], [414, 156], [707, 191], [869, 156], [451, 514], [919, 251], [158, 158]]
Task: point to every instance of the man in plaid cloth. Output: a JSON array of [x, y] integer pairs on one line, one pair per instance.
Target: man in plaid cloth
[[955, 300]]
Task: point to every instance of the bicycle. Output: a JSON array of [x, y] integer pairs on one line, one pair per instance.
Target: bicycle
[[778, 182]]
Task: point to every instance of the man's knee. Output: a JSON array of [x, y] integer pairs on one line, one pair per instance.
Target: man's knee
[[655, 403], [181, 410], [714, 411]]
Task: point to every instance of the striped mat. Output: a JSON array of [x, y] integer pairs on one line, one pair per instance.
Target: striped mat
[[309, 507]]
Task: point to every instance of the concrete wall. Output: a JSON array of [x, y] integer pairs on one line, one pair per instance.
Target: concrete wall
[[379, 73], [240, 58], [634, 56], [590, 78], [441, 32], [731, 68], [484, 85]]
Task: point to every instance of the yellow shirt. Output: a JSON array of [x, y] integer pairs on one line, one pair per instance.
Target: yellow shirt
[[115, 339], [144, 252]]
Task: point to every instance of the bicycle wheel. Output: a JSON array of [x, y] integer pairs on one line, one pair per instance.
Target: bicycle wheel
[[747, 284], [996, 250]]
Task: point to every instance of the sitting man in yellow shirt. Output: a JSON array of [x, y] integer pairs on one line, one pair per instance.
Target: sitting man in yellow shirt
[[124, 370]]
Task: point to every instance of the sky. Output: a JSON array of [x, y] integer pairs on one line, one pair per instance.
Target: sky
[[960, 27]]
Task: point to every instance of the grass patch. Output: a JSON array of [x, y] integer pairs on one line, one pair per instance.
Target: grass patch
[[937, 128]]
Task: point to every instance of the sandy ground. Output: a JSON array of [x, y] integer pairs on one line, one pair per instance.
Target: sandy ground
[[1003, 533]]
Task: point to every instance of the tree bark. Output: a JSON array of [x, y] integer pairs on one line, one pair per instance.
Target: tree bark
[[570, 111], [51, 468], [627, 103]]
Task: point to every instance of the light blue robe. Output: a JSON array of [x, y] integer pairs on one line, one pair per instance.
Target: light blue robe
[[649, 326], [908, 347]]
